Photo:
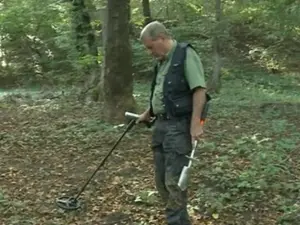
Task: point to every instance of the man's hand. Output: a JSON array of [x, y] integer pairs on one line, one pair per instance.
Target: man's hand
[[196, 130], [145, 116]]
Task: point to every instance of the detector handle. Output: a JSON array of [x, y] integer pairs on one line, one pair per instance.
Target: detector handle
[[135, 116]]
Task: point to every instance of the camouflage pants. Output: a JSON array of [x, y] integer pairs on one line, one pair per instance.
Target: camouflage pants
[[171, 141]]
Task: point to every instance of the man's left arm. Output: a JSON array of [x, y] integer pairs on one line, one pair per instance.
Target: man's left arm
[[194, 73]]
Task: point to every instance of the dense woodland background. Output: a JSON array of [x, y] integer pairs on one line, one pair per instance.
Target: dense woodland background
[[62, 43], [70, 69]]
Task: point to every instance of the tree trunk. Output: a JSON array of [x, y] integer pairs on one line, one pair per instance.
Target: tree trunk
[[146, 12], [214, 83], [117, 80], [98, 92], [85, 37], [104, 20], [167, 9], [86, 45]]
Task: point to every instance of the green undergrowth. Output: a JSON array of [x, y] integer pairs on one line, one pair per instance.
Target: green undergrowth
[[249, 162]]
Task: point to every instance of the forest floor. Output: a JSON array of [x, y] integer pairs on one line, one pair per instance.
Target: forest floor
[[248, 171]]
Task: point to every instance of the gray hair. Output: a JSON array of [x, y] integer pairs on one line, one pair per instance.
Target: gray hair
[[153, 30]]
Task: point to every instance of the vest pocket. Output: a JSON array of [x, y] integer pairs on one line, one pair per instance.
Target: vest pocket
[[182, 106]]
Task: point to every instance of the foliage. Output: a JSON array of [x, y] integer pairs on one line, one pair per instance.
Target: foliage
[[38, 46], [268, 30]]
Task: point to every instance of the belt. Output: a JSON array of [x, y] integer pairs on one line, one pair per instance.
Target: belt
[[162, 116]]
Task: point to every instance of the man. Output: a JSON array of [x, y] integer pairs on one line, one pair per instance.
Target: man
[[177, 99]]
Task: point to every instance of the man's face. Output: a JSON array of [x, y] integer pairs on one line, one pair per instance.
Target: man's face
[[155, 47]]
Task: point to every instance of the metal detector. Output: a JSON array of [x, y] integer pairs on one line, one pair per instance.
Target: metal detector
[[73, 203]]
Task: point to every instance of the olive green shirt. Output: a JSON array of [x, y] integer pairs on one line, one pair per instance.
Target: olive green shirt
[[193, 71]]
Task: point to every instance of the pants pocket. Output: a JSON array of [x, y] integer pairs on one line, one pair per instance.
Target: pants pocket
[[178, 138]]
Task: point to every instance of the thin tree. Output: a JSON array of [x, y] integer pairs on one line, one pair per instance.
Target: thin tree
[[214, 82]]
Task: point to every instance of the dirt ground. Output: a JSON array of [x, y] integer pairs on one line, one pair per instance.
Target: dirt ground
[[50, 150]]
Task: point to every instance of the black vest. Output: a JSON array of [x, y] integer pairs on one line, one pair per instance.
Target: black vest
[[177, 96]]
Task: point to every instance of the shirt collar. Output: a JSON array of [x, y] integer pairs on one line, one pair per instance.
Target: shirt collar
[[171, 51]]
